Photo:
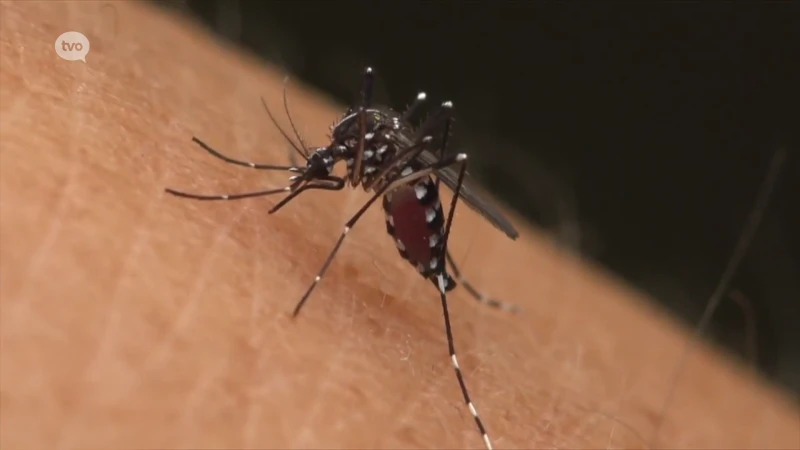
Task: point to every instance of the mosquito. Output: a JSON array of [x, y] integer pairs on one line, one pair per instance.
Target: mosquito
[[397, 162]]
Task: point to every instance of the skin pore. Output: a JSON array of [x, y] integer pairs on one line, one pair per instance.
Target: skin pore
[[135, 319]]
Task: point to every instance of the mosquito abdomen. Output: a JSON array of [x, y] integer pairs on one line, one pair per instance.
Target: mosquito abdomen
[[411, 231]]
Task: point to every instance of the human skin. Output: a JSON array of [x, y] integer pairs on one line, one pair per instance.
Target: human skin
[[135, 319]]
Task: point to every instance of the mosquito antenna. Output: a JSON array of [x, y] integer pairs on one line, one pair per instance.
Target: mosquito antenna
[[748, 232], [291, 122], [283, 133], [237, 162]]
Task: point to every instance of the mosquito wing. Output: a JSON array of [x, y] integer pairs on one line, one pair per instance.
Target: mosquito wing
[[469, 194]]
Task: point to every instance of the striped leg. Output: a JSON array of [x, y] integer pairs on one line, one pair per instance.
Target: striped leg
[[476, 294], [236, 162], [446, 111], [412, 108], [441, 279], [366, 101], [353, 220], [227, 196]]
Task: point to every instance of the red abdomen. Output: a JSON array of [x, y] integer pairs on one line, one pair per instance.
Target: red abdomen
[[411, 228]]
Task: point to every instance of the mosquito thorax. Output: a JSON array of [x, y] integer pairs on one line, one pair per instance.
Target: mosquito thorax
[[385, 132], [379, 118]]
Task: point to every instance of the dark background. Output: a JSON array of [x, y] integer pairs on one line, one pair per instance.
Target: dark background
[[638, 134]]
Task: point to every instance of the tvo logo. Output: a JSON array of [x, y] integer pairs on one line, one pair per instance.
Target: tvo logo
[[72, 46]]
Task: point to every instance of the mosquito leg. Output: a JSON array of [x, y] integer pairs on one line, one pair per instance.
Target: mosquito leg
[[219, 155], [438, 165], [412, 108], [477, 295], [366, 100], [367, 87], [331, 183], [444, 113], [347, 227], [441, 278], [447, 106], [402, 157], [228, 196], [352, 222]]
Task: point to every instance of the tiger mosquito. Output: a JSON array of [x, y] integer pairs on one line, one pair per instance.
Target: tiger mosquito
[[388, 157]]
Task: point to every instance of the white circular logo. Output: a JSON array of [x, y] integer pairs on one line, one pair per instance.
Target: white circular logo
[[72, 46]]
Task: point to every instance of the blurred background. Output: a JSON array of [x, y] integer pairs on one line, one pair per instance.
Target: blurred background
[[637, 135]]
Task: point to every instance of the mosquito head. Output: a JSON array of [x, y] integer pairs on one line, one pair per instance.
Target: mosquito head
[[320, 163], [318, 166], [315, 175]]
